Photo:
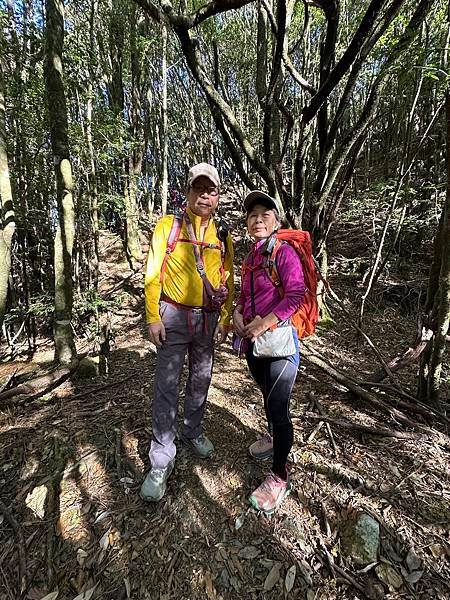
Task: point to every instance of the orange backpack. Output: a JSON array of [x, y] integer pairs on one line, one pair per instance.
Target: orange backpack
[[306, 316]]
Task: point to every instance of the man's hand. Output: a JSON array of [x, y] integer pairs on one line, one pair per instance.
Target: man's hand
[[221, 333], [238, 323], [157, 333]]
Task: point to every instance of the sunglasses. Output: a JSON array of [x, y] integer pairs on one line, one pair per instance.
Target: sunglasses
[[201, 189]]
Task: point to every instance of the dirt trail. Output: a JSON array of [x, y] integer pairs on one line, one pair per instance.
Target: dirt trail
[[71, 465]]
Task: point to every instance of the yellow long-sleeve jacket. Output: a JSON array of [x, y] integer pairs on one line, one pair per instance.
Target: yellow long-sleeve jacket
[[181, 281]]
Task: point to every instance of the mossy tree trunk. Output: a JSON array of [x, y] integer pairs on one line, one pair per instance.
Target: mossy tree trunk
[[8, 224], [164, 173], [63, 246], [442, 302]]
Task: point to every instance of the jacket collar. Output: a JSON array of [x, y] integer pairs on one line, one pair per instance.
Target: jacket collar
[[196, 221]]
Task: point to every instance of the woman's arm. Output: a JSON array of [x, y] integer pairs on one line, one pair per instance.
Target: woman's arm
[[290, 273]]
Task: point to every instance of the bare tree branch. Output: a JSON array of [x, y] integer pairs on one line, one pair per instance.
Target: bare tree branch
[[345, 61]]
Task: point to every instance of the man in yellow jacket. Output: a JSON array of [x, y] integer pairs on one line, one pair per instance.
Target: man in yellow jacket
[[188, 297]]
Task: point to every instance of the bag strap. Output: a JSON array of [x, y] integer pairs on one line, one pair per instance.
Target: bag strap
[[207, 287], [252, 293], [271, 251], [172, 240]]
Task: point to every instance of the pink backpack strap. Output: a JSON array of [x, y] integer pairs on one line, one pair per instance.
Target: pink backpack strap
[[172, 240]]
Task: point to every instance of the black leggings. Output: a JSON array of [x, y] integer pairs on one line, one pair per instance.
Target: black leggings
[[276, 378]]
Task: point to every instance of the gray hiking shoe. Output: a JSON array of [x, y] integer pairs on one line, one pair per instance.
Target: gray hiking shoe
[[154, 486], [201, 445], [262, 448]]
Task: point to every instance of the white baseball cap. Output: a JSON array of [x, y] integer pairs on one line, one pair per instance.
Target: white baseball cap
[[203, 169]]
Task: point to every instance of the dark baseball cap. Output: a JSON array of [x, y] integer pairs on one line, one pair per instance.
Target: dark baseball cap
[[259, 197]]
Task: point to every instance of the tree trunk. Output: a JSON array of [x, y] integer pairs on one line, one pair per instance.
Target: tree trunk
[[443, 307], [93, 193], [8, 223], [165, 141], [64, 344]]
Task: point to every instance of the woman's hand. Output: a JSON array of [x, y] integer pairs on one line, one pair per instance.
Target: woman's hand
[[255, 328], [238, 323], [259, 326]]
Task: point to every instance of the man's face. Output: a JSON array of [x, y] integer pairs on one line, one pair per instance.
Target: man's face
[[203, 197]]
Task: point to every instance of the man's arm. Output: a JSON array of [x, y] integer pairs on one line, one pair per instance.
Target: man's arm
[[226, 310], [152, 283], [224, 325]]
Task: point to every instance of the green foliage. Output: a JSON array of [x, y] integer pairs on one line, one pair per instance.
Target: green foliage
[[90, 302], [42, 305], [110, 205]]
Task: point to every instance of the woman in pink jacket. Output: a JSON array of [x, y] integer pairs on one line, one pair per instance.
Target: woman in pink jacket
[[261, 306]]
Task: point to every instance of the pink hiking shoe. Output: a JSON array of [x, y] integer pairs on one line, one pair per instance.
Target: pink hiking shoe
[[262, 448], [270, 494]]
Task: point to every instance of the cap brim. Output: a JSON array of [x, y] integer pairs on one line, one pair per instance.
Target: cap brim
[[253, 197], [211, 177]]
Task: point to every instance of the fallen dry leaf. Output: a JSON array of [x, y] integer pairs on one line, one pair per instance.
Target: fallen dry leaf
[[104, 541], [51, 596], [35, 500], [413, 561], [290, 578], [272, 578], [249, 552], [389, 576], [414, 577], [87, 594]]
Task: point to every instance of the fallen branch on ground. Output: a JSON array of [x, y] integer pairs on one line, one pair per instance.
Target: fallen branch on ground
[[7, 381], [41, 385], [411, 354], [316, 359], [382, 431], [321, 411]]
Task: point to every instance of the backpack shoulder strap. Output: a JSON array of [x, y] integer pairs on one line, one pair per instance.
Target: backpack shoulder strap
[[174, 233], [271, 261], [172, 240]]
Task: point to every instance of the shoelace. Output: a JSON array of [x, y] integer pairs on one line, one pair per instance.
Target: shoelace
[[269, 483]]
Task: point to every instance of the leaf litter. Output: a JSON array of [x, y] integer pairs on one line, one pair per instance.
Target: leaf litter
[[202, 540]]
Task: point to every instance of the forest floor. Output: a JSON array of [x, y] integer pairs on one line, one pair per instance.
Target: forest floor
[[72, 461]]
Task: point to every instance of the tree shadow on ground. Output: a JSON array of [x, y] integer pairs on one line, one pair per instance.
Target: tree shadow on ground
[[95, 529]]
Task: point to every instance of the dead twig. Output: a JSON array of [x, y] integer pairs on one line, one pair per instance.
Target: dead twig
[[314, 432], [104, 387], [321, 411], [383, 431], [20, 546], [318, 360]]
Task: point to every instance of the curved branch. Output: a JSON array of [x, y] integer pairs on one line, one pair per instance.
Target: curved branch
[[296, 75], [214, 8], [165, 12], [193, 59], [345, 61]]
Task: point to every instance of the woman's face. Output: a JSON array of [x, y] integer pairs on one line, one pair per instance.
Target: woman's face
[[261, 222]]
